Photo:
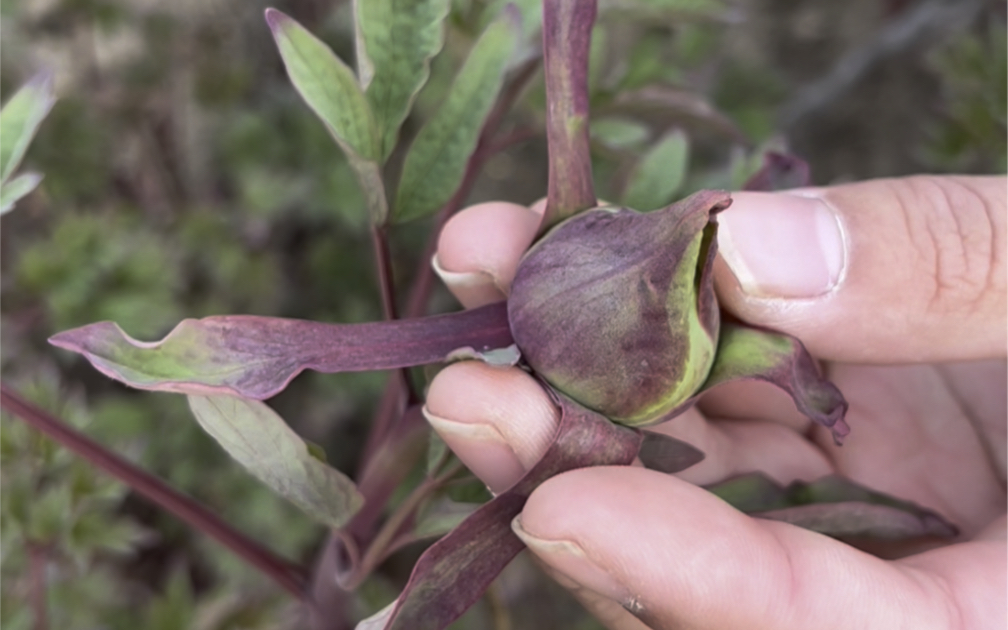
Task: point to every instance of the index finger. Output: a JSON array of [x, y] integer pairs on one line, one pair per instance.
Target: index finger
[[479, 249]]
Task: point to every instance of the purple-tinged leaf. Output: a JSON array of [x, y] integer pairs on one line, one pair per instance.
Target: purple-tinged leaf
[[780, 171], [453, 573], [567, 26], [833, 506], [854, 519], [745, 352], [259, 439], [836, 489], [255, 357], [666, 454]]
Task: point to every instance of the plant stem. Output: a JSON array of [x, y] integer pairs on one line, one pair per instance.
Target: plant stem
[[326, 592], [420, 292], [378, 549], [383, 267], [286, 574], [37, 559], [567, 26], [399, 380], [392, 401]]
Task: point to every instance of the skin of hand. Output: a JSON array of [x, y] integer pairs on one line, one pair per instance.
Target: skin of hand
[[899, 287]]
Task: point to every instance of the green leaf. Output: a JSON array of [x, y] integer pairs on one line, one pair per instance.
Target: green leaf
[[331, 90], [20, 118], [396, 40], [261, 441], [437, 453], [437, 159], [530, 10], [327, 85], [15, 189], [659, 175], [442, 516], [619, 133]]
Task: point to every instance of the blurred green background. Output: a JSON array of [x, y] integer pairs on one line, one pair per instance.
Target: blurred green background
[[184, 177]]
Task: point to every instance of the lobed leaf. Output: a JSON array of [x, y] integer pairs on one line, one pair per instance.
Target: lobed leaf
[[20, 119], [255, 357], [453, 573], [396, 40], [13, 190], [331, 90], [436, 161], [260, 440], [567, 27], [745, 352], [659, 174]]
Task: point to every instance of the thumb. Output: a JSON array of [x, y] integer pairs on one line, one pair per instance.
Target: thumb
[[675, 556], [891, 270]]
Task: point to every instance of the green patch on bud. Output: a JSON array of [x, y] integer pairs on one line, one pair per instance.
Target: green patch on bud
[[616, 308]]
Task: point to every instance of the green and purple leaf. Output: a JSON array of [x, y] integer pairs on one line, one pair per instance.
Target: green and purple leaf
[[255, 357], [750, 353], [396, 40], [834, 506], [260, 440], [331, 90], [436, 161], [567, 27], [453, 573]]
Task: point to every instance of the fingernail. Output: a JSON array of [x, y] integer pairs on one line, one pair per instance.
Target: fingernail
[[570, 560], [784, 245], [472, 288], [482, 448]]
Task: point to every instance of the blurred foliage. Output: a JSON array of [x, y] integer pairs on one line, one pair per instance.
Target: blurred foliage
[[184, 177], [972, 130]]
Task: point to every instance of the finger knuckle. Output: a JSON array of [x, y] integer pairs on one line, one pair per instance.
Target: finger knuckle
[[955, 232]]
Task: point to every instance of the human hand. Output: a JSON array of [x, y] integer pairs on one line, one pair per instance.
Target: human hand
[[906, 304]]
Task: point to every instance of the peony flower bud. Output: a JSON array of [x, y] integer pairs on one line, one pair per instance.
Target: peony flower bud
[[616, 309]]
